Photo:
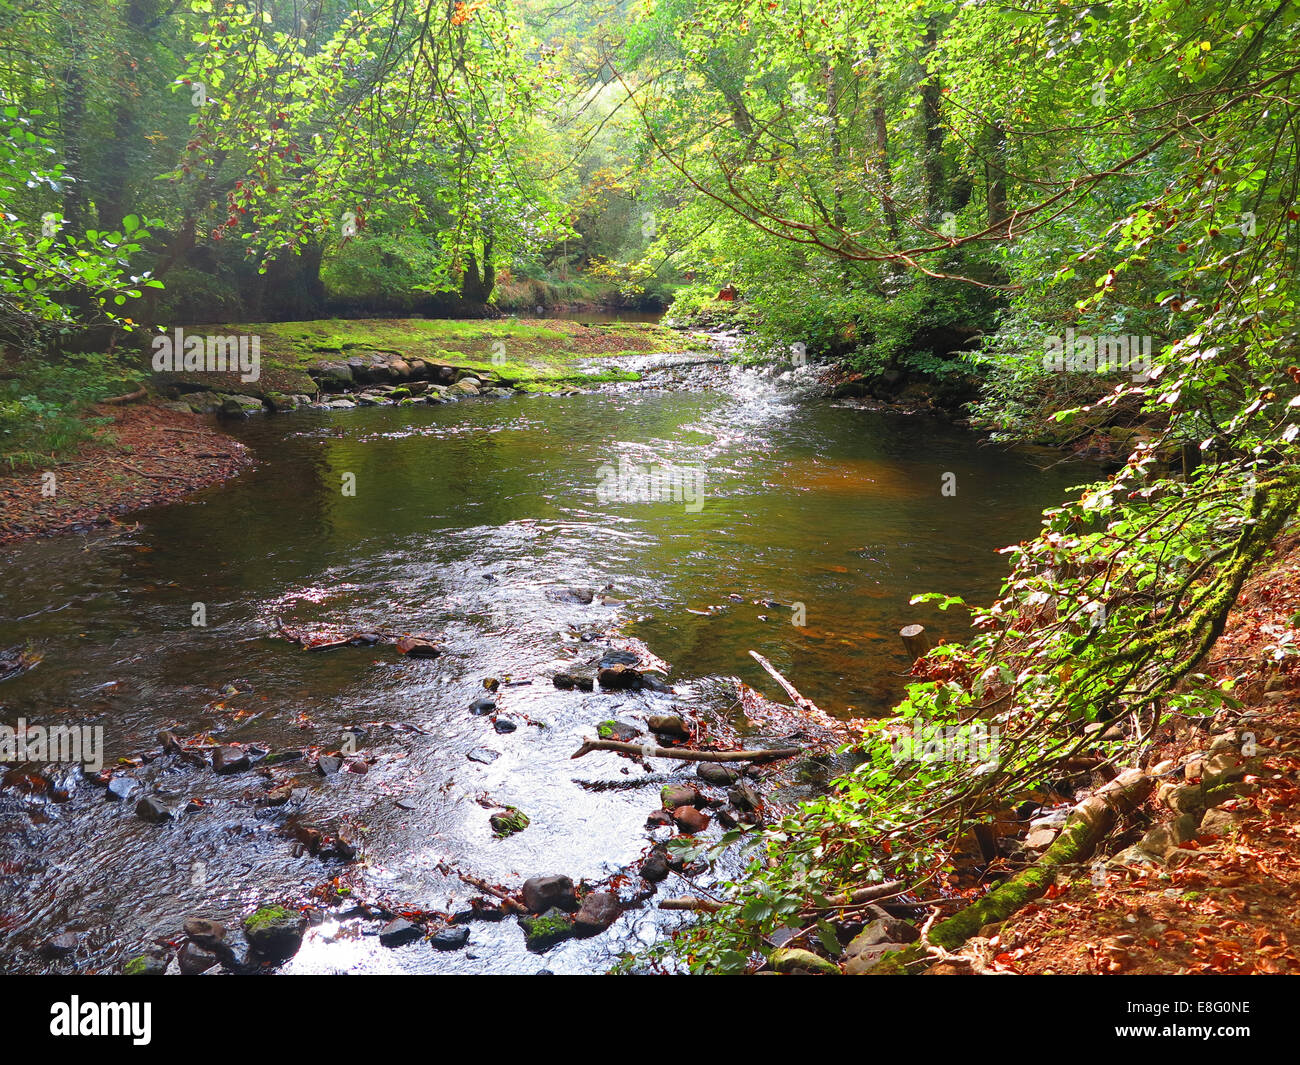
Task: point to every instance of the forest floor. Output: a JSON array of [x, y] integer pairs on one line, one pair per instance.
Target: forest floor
[[147, 455], [1223, 901]]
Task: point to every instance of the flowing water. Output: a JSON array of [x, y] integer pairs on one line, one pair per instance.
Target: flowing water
[[468, 521]]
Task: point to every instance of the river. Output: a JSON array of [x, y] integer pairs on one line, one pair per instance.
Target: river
[[468, 521]]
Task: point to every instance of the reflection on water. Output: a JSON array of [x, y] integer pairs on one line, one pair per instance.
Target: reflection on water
[[465, 521]]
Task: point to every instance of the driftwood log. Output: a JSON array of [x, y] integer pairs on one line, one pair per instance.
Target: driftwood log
[[649, 750], [1085, 828], [799, 700]]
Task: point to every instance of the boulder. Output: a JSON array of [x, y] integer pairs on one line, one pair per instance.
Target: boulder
[[332, 376], [654, 867], [717, 773], [204, 932], [570, 681], [230, 759], [274, 932], [541, 932], [669, 725], [194, 959], [675, 795], [619, 677], [598, 911], [418, 647], [620, 731], [690, 820], [793, 961], [453, 937], [542, 893], [399, 932], [153, 810]]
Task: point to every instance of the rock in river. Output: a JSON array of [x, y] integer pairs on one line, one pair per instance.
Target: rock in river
[[194, 959], [545, 931], [230, 759], [669, 725], [451, 938], [717, 773], [274, 932], [690, 820], [399, 932], [675, 795], [153, 810], [597, 912], [541, 893]]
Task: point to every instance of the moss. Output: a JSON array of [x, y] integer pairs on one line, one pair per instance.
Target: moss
[[266, 916], [136, 966], [605, 730], [508, 823]]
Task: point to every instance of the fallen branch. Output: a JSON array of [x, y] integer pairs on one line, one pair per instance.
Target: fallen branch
[[509, 901], [114, 401], [801, 701], [1082, 832], [691, 902], [649, 750]]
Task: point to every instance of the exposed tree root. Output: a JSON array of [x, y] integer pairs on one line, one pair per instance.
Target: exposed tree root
[[1079, 837]]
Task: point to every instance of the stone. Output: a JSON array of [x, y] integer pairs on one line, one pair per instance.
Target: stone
[[194, 959], [452, 937], [274, 932], [659, 819], [542, 893], [333, 376], [1039, 839], [882, 930], [480, 707], [120, 788], [240, 406], [60, 946], [669, 725], [620, 731], [598, 911], [652, 683], [541, 932], [399, 932], [1181, 798], [1220, 822], [483, 755], [570, 681], [793, 961], [145, 965], [717, 773], [619, 678], [230, 759], [504, 725], [153, 810], [675, 795], [328, 765], [690, 820], [861, 963], [654, 867], [508, 821], [418, 647], [744, 797], [466, 386], [204, 932]]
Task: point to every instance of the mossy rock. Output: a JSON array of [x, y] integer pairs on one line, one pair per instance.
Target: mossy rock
[[145, 965], [791, 960], [509, 822], [543, 932]]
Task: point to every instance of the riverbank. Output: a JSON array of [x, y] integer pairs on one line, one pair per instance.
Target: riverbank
[[145, 456]]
